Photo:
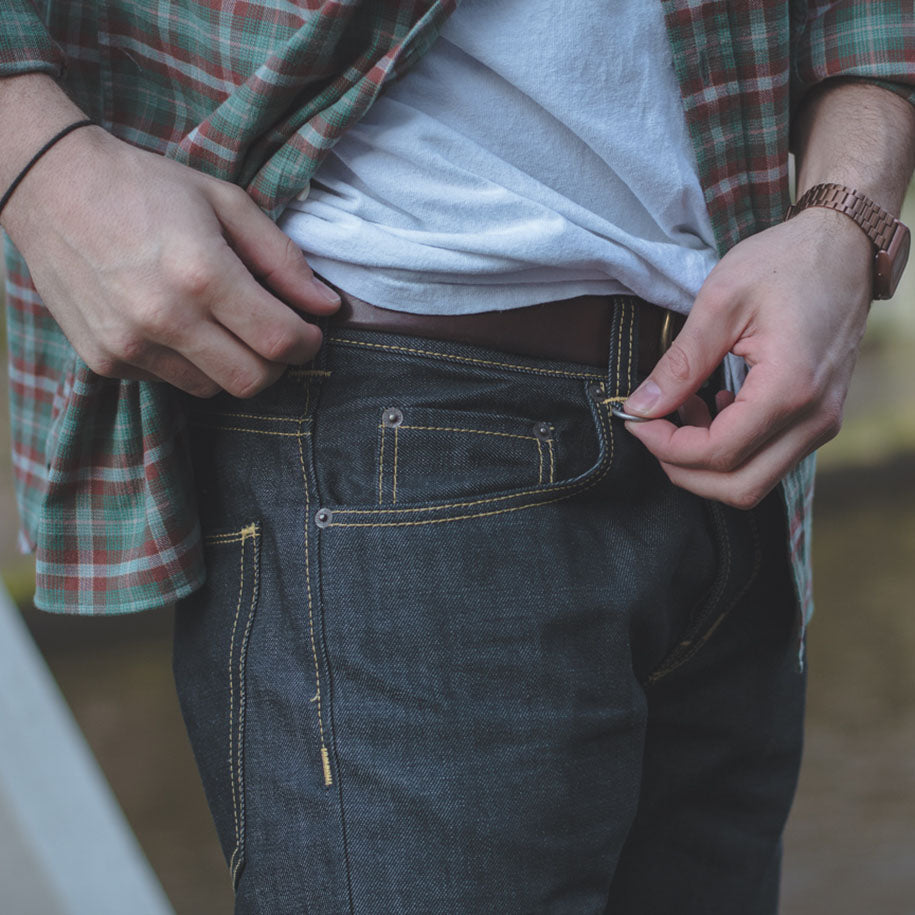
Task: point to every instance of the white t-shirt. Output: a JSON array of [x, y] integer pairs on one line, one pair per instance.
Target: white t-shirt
[[527, 157]]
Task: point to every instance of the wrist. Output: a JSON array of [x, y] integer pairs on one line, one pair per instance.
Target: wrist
[[887, 236]]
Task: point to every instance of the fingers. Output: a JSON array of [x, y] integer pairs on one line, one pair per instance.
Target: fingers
[[746, 486], [261, 321], [268, 253], [693, 356]]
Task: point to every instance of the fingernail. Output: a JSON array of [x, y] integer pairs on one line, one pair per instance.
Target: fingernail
[[643, 398], [325, 292]]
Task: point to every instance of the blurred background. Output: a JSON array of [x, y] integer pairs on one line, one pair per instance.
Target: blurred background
[[850, 845]]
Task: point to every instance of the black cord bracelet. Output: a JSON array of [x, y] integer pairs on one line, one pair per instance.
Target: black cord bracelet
[[56, 138]]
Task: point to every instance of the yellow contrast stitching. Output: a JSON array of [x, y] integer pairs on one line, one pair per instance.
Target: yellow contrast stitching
[[631, 331], [621, 399], [241, 581], [234, 536], [325, 759], [243, 649], [539, 462], [608, 440], [348, 341], [380, 462], [308, 373], [394, 483], [235, 771], [263, 416], [251, 431], [549, 446], [619, 345], [525, 438]]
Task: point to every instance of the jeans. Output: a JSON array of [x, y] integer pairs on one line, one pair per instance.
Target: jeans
[[464, 649]]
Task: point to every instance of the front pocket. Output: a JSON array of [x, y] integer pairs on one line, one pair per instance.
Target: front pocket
[[428, 455]]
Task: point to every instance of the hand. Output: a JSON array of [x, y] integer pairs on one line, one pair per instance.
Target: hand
[[792, 301], [155, 271]]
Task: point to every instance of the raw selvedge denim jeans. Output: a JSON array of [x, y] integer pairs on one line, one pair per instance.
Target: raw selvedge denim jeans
[[464, 649]]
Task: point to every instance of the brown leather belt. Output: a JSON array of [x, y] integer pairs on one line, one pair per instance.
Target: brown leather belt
[[570, 330]]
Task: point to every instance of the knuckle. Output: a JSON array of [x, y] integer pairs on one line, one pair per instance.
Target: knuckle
[[291, 256], [202, 388], [193, 277], [831, 420], [245, 384], [105, 365], [724, 462], [124, 346], [746, 498], [282, 347]]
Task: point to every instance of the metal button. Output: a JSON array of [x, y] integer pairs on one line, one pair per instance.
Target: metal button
[[543, 431], [323, 517], [391, 417]]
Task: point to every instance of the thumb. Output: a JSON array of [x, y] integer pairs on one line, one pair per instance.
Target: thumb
[[692, 357]]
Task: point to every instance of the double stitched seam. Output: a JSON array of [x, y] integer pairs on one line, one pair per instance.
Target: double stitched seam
[[237, 669], [325, 756], [525, 438], [549, 448], [208, 423], [688, 649], [394, 481], [308, 373], [470, 360], [540, 462], [381, 426]]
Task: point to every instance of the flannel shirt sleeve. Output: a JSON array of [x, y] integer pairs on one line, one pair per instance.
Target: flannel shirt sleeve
[[25, 45], [861, 39]]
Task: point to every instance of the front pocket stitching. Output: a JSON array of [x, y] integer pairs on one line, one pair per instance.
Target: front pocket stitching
[[525, 438]]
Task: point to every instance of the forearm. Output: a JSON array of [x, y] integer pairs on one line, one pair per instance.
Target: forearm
[[859, 135], [32, 109]]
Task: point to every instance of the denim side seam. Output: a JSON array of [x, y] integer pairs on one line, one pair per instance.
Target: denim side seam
[[700, 630], [249, 538]]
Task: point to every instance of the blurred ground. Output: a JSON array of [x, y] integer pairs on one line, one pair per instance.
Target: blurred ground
[[851, 840]]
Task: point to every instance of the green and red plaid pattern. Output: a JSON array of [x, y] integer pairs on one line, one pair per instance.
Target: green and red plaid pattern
[[256, 92]]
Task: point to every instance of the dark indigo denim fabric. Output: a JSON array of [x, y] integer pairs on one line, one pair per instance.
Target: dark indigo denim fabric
[[464, 649]]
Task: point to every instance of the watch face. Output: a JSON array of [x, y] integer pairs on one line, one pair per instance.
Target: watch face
[[890, 263]]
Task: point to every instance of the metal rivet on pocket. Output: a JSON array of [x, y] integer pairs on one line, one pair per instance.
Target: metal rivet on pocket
[[596, 388], [543, 431], [323, 517], [391, 417]]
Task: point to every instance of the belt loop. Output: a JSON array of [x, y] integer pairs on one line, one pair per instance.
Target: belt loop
[[622, 364]]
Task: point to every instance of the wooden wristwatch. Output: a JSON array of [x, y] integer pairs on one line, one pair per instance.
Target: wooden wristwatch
[[888, 235]]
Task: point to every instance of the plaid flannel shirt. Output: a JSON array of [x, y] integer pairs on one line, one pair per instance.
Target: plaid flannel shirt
[[256, 93]]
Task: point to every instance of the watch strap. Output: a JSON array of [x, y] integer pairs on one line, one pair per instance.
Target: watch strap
[[876, 223]]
